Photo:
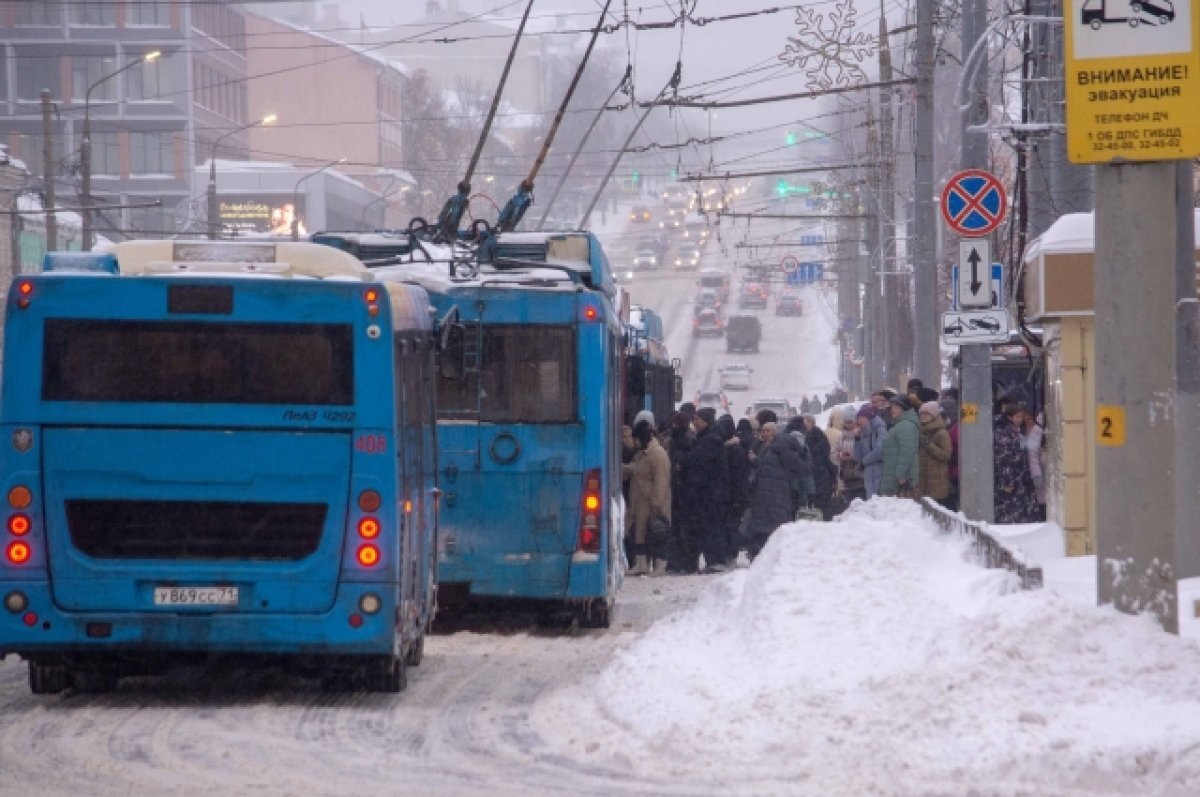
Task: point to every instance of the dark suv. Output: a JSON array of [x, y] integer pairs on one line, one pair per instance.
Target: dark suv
[[743, 333]]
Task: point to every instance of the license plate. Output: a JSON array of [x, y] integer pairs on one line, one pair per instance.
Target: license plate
[[195, 596]]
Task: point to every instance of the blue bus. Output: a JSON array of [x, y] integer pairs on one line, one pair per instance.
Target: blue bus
[[529, 439], [217, 450], [652, 379]]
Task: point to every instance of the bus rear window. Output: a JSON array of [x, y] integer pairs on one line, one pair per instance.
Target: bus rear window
[[197, 363], [527, 376]]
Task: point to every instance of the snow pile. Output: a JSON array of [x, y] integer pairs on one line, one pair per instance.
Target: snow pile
[[869, 656]]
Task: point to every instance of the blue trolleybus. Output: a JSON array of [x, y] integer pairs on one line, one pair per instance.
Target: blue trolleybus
[[529, 439], [216, 450]]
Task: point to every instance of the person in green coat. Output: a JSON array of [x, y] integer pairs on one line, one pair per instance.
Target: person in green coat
[[901, 468]]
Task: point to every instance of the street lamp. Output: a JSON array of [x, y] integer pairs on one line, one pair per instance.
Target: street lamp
[[296, 195], [213, 213], [85, 145]]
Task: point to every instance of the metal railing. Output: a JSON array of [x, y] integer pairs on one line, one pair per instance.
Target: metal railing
[[991, 551]]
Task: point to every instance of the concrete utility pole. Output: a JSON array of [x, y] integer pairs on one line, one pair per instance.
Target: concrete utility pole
[[977, 464], [926, 352], [48, 172], [1143, 216], [891, 281], [876, 312]]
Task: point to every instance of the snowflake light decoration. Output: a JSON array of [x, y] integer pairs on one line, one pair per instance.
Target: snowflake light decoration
[[827, 47]]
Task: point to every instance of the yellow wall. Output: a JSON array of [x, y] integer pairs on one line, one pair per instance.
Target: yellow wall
[[1070, 418]]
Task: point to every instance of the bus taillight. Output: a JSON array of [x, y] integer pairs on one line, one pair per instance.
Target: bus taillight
[[368, 528], [589, 524], [368, 555], [18, 553], [18, 525], [24, 289]]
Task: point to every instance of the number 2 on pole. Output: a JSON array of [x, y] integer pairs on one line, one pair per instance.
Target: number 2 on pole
[[1110, 425]]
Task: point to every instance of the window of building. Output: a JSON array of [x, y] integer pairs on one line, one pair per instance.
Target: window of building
[[150, 80], [106, 154], [38, 13], [150, 221], [151, 152], [36, 71], [93, 14], [147, 12], [87, 70]]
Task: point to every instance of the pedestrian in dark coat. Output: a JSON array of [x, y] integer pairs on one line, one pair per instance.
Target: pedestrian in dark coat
[[679, 443], [705, 493], [777, 469], [1016, 497], [737, 456], [824, 475]]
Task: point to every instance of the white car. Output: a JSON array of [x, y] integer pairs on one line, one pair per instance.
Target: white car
[[645, 259], [714, 399], [687, 255], [735, 376]]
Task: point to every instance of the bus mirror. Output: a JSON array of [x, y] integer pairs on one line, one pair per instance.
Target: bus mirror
[[453, 354], [678, 388]]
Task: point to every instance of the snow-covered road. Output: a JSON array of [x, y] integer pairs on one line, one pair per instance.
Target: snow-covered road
[[866, 656]]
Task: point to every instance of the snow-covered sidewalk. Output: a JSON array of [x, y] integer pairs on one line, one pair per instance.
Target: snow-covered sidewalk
[[870, 656]]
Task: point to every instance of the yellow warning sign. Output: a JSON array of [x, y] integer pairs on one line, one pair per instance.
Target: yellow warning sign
[[1132, 79], [1110, 425], [970, 412]]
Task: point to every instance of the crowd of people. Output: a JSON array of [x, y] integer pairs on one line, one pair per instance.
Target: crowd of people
[[702, 490]]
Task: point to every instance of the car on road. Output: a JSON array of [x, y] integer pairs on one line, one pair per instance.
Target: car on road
[[706, 298], [695, 230], [640, 213], [753, 295], [712, 398], [716, 279], [735, 376], [743, 333], [646, 259], [687, 255], [789, 303], [776, 404], [708, 321]]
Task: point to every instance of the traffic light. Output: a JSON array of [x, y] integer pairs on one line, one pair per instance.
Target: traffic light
[[791, 139], [634, 176]]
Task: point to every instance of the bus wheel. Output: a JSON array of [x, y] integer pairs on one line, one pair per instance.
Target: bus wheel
[[93, 682], [386, 674], [416, 652], [47, 679]]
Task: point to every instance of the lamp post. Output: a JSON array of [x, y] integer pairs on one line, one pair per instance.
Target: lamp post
[[85, 145], [213, 211], [296, 195]]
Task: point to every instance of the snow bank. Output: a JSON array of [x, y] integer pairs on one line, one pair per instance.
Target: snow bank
[[869, 656]]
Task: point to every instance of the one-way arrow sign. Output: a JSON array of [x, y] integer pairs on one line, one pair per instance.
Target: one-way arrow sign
[[974, 286]]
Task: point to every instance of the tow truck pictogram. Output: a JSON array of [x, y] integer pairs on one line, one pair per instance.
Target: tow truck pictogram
[[1095, 13]]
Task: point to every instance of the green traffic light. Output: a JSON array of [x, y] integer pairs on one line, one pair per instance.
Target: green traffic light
[[791, 139]]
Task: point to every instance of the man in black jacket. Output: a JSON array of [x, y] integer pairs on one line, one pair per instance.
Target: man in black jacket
[[737, 457], [705, 499]]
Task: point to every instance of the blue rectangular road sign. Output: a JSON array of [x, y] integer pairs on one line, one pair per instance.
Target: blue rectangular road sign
[[806, 274], [997, 286]]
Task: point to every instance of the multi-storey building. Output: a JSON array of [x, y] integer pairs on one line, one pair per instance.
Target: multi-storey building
[[150, 120]]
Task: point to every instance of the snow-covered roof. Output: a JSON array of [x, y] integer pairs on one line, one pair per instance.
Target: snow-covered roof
[[1074, 233]]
